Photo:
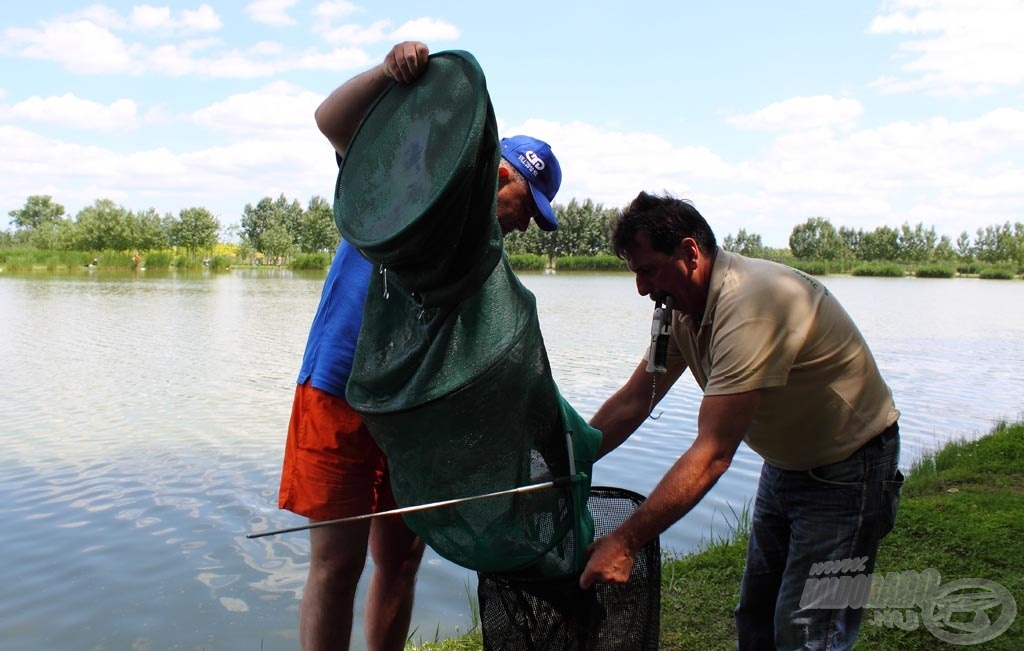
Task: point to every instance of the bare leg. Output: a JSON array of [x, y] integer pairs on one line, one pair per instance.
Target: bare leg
[[337, 556], [396, 557]]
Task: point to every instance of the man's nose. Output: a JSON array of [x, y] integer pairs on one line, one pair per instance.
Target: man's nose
[[642, 286]]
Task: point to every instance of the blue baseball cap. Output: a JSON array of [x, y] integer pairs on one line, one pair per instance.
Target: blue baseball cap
[[538, 165]]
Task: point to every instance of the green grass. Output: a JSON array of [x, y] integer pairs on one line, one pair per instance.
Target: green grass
[[883, 269], [311, 261], [812, 267], [37, 260], [961, 514], [471, 641], [996, 273], [527, 262], [590, 263], [935, 271]]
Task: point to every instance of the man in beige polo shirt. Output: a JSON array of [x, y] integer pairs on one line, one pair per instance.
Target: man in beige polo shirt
[[785, 369]]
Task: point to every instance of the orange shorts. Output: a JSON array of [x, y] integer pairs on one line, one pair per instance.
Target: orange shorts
[[332, 466]]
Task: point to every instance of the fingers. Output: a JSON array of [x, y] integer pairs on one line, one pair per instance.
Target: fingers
[[406, 61], [608, 563], [586, 580]]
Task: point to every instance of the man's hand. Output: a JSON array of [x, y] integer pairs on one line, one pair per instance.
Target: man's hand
[[610, 561], [406, 61]]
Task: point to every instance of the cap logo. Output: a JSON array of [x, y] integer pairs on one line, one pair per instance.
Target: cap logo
[[533, 161]]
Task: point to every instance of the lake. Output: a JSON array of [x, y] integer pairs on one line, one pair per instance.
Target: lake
[[143, 419]]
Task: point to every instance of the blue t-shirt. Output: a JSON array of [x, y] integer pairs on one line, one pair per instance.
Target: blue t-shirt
[[331, 345]]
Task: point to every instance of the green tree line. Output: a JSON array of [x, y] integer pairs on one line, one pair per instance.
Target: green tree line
[[272, 228], [818, 239], [278, 229]]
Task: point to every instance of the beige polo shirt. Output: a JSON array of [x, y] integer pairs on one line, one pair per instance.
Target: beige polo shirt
[[768, 326]]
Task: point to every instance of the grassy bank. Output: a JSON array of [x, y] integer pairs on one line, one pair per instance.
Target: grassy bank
[[961, 514]]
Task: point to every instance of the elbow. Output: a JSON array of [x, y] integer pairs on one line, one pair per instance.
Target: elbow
[[719, 465], [319, 115]]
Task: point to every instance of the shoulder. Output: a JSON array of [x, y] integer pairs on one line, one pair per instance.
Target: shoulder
[[752, 288]]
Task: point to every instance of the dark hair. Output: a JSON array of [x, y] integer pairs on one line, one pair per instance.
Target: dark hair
[[666, 220]]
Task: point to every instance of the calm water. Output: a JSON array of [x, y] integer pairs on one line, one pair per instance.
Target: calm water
[[143, 420]]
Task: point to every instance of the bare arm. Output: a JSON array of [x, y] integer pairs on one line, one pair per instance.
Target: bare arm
[[721, 424], [339, 115], [628, 407]]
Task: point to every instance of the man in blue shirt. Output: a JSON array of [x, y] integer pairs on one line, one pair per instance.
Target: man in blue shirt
[[332, 466]]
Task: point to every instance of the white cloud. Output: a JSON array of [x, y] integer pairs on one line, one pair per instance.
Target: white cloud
[[353, 34], [87, 44], [156, 20], [80, 45], [802, 113], [429, 30], [625, 163], [71, 111], [954, 46], [338, 59], [221, 178], [203, 19], [150, 18], [279, 108], [953, 175], [337, 9], [271, 12], [425, 29]]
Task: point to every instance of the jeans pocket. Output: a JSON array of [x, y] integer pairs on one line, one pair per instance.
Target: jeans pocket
[[891, 489], [845, 474]]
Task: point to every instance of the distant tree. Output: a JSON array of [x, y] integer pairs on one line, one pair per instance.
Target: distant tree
[[916, 244], [748, 244], [582, 229], [532, 240], [39, 209], [815, 239], [195, 231], [271, 215], [257, 220], [103, 225], [277, 242], [1000, 243], [148, 231], [39, 222], [944, 251], [1018, 244], [964, 249], [317, 230], [881, 244]]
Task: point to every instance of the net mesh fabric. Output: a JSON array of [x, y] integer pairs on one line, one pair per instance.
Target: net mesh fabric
[[519, 612], [450, 374]]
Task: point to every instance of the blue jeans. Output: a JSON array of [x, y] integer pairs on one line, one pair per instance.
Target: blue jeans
[[801, 521]]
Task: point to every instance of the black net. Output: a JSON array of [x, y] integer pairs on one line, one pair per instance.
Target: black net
[[519, 612]]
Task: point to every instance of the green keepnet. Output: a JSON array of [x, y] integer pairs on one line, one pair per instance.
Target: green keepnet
[[450, 373]]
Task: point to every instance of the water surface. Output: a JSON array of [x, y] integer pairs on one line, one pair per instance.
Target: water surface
[[143, 421]]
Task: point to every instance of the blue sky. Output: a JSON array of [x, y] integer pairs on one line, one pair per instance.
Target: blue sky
[[763, 114]]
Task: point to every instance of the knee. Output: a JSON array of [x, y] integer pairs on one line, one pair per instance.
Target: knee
[[401, 564], [337, 569]]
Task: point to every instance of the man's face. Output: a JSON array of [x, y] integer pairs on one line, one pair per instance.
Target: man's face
[[516, 207], [661, 274]]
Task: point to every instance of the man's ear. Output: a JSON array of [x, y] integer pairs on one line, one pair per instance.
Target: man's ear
[[688, 250], [503, 175]]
